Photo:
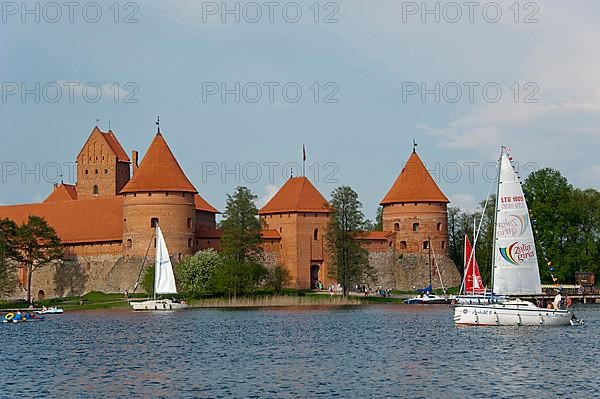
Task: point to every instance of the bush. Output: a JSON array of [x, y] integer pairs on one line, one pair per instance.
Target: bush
[[195, 274]]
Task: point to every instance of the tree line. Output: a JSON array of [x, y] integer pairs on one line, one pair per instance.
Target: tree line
[[565, 220]]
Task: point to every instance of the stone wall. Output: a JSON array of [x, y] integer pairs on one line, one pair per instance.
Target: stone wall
[[408, 272], [80, 275]]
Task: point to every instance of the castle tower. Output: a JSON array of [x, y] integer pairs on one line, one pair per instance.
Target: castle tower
[[300, 214], [159, 192], [416, 210], [103, 167]]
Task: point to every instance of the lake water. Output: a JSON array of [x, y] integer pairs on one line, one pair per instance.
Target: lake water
[[371, 351]]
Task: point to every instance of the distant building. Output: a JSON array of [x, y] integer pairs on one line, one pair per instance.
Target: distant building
[[105, 223]]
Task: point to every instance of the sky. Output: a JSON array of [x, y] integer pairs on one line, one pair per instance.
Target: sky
[[240, 87]]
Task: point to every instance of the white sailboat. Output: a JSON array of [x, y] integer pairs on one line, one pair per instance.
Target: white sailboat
[[515, 269], [164, 280]]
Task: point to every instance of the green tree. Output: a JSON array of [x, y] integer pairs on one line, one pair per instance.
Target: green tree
[[8, 277], [279, 277], [241, 227], [148, 280], [378, 226], [350, 262], [241, 245], [36, 244], [195, 273]]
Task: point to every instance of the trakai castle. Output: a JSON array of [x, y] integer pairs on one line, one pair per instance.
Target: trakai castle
[[105, 223]]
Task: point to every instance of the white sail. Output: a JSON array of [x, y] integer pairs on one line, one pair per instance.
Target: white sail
[[516, 270], [164, 280]]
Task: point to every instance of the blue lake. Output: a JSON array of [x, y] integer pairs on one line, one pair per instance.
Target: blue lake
[[369, 351]]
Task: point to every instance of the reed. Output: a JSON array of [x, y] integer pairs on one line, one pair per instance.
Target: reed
[[274, 301]]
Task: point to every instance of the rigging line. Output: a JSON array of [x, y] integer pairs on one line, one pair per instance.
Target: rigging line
[[487, 200], [137, 283]]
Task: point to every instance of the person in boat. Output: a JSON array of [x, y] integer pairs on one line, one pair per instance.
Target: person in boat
[[557, 301], [18, 316], [44, 308]]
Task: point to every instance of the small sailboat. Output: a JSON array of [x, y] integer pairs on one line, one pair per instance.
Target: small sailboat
[[164, 280], [427, 298], [473, 290], [515, 269]]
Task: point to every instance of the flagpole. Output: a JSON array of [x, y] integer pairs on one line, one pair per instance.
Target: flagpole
[[303, 161]]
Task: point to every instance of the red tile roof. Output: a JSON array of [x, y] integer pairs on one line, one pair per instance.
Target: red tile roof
[[62, 192], [159, 171], [203, 205], [297, 195], [375, 235], [77, 221], [414, 184], [270, 235], [114, 144]]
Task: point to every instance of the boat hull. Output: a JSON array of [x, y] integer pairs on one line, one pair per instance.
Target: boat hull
[[158, 305], [479, 299], [510, 315]]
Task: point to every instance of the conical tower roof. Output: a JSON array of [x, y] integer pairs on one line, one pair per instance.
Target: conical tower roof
[[159, 171], [414, 184], [297, 195]]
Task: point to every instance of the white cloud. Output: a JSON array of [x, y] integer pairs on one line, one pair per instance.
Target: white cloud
[[466, 202], [270, 191]]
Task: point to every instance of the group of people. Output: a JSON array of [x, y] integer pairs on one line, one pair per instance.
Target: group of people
[[19, 316]]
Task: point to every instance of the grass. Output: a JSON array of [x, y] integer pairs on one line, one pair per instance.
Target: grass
[[92, 300]]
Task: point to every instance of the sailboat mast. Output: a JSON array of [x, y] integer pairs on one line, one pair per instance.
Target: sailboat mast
[[156, 244], [496, 217], [473, 254], [430, 273]]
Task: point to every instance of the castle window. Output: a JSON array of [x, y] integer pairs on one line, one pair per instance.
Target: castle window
[[439, 227], [95, 190], [155, 243], [415, 204], [402, 244], [415, 226], [443, 244], [189, 242], [129, 243], [105, 171], [189, 223], [425, 244], [153, 222], [96, 171], [390, 244], [149, 194], [86, 171], [281, 229], [316, 234], [396, 226]]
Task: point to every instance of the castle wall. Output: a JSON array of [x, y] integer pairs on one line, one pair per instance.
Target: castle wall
[[407, 272], [299, 250], [432, 220], [176, 216], [82, 274]]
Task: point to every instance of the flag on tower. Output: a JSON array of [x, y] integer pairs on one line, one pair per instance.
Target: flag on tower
[[303, 152]]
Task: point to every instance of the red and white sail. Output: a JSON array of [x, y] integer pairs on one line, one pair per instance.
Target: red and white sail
[[473, 282]]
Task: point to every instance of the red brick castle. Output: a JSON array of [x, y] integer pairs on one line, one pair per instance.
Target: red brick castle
[[105, 223]]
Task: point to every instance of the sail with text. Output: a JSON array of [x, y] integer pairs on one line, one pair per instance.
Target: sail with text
[[473, 282], [516, 270]]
